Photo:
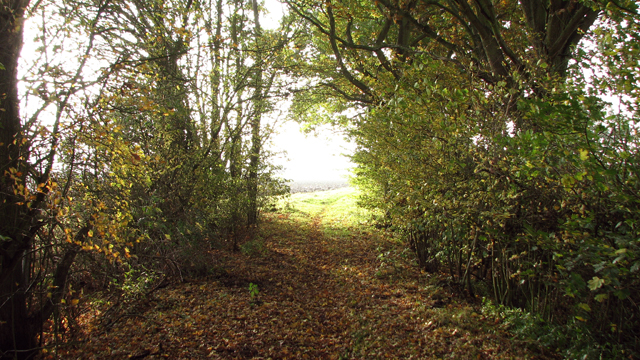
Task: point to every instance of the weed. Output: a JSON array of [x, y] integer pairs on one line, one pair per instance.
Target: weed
[[253, 292], [252, 247], [137, 281]]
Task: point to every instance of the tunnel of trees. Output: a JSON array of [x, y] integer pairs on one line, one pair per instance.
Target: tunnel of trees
[[498, 137]]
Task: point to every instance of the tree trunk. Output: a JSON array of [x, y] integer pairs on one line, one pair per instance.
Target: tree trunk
[[17, 333], [254, 157]]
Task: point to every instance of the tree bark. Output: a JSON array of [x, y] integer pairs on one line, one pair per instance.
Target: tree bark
[[16, 330], [254, 157]]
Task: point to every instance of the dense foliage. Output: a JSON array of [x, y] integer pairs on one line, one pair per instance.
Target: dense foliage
[[484, 137], [137, 148], [134, 145]]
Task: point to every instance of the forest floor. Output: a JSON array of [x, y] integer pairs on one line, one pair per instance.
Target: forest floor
[[313, 284]]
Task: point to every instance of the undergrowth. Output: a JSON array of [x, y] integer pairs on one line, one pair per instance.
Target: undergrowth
[[572, 340]]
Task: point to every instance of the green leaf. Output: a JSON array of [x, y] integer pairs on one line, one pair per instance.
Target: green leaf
[[2, 67], [595, 283], [584, 307], [621, 251], [622, 294]]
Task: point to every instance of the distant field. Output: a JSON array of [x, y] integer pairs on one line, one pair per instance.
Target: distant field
[[338, 208], [312, 186]]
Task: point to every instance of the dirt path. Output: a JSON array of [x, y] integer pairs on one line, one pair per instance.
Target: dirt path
[[322, 293]]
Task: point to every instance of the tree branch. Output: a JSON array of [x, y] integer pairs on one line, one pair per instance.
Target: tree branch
[[343, 69]]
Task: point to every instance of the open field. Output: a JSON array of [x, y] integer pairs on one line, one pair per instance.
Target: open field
[[311, 186]]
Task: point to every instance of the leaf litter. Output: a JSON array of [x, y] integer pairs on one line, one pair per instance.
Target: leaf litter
[[309, 292]]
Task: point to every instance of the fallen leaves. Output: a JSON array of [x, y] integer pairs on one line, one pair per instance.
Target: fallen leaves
[[316, 296]]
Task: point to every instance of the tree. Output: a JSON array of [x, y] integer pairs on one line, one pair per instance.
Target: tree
[[126, 146], [259, 98], [16, 228], [484, 144], [28, 190], [496, 42]]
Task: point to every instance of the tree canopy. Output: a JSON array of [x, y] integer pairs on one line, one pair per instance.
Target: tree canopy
[[138, 145], [499, 138], [484, 136]]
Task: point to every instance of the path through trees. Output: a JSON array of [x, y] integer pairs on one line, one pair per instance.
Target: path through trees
[[311, 287]]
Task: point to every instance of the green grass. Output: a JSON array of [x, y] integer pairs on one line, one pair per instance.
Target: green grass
[[337, 208]]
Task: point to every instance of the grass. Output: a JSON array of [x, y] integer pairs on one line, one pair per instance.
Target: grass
[[338, 208]]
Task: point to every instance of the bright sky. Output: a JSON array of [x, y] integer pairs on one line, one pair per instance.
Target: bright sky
[[308, 157], [275, 10]]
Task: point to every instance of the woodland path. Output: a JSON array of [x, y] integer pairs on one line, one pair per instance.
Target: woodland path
[[324, 292]]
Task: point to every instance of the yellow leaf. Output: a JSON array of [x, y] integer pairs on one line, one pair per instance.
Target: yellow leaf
[[584, 154], [75, 302], [584, 307]]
